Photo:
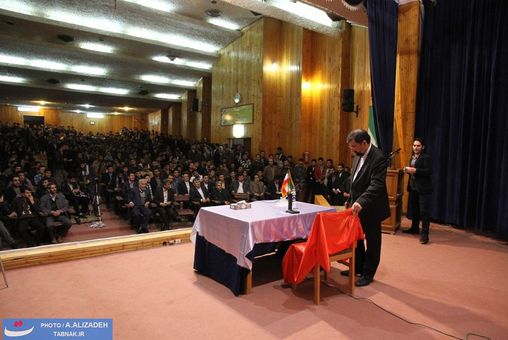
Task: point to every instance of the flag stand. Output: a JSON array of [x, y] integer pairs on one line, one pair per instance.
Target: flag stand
[[290, 204]]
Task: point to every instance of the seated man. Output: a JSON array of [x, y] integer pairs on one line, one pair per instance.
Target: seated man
[[257, 189], [164, 199], [198, 195], [7, 218], [78, 199], [28, 213], [240, 187], [54, 205], [139, 200], [220, 195]]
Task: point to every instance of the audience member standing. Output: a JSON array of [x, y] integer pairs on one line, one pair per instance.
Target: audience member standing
[[420, 189]]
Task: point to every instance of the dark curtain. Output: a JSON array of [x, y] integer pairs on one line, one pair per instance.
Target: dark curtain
[[462, 109], [382, 16]]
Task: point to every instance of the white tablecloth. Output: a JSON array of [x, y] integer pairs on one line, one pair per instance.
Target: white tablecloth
[[237, 231]]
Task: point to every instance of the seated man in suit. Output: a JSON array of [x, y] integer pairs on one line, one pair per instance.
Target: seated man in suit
[[240, 187], [28, 213], [220, 195], [139, 200], [185, 185], [164, 200], [199, 196], [257, 189], [54, 205]]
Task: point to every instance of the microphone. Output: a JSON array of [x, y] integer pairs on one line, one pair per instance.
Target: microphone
[[395, 152]]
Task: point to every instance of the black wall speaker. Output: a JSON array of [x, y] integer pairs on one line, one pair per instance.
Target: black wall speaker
[[195, 105], [348, 100]]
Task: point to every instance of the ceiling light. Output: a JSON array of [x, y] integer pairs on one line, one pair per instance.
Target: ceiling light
[[113, 90], [89, 70], [179, 40], [81, 87], [155, 4], [186, 83], [98, 115], [9, 59], [127, 108], [195, 64], [41, 102], [152, 78], [303, 10], [87, 21], [96, 47], [224, 23], [12, 79], [116, 113], [167, 96], [27, 108], [48, 64], [17, 7], [87, 106]]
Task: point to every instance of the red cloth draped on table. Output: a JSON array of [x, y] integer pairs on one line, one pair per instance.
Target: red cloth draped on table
[[330, 234]]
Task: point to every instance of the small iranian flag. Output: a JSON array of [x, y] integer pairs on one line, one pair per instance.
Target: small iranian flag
[[287, 185], [372, 127]]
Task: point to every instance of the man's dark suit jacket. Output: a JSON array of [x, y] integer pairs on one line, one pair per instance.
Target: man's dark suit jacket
[[195, 196], [182, 188], [159, 196], [219, 197], [422, 176], [369, 186], [135, 196]]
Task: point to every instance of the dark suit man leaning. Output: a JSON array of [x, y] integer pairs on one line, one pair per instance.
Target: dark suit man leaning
[[369, 199]]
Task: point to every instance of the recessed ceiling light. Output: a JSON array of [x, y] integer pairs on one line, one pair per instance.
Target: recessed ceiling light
[[98, 115], [152, 78], [127, 108], [185, 83], [195, 64], [167, 96], [96, 47], [224, 23], [48, 64], [89, 70], [28, 108], [9, 59], [41, 102], [304, 11], [12, 79], [81, 87], [113, 90], [155, 4], [99, 23], [87, 106], [16, 6]]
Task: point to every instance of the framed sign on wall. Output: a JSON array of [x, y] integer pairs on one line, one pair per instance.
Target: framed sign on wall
[[242, 114]]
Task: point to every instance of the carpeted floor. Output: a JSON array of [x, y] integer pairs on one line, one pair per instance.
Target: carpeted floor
[[456, 284]]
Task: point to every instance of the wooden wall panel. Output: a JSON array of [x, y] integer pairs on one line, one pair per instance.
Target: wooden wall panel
[[282, 47], [77, 120], [204, 94], [175, 119], [154, 121], [10, 114], [321, 94], [239, 68], [406, 81], [164, 120]]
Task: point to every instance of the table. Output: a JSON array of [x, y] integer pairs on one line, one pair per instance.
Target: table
[[227, 240]]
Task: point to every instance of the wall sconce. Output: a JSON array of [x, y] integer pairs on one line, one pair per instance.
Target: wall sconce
[[238, 130]]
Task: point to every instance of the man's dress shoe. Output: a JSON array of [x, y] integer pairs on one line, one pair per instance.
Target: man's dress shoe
[[411, 231], [363, 281], [346, 273]]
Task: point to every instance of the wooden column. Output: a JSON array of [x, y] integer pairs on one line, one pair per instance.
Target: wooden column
[[408, 51]]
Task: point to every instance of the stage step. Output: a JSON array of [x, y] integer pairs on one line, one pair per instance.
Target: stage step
[[25, 257]]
